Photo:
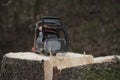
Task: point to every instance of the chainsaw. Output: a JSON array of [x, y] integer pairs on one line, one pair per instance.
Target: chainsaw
[[50, 37]]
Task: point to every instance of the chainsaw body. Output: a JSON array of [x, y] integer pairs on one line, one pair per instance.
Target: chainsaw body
[[52, 39]]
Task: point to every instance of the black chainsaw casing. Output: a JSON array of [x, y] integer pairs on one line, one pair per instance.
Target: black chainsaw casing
[[53, 38]]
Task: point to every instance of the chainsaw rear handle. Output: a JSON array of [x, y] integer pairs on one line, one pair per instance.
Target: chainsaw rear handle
[[59, 28], [66, 37]]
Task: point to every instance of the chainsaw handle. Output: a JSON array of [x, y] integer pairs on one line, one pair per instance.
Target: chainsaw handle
[[66, 37]]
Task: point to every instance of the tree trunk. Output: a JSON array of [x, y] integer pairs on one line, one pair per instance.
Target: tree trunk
[[21, 69], [103, 68], [31, 66]]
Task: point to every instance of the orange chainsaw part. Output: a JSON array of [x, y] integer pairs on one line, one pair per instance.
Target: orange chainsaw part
[[33, 49]]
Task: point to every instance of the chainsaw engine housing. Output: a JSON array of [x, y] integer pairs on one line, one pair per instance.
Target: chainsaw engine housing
[[53, 38]]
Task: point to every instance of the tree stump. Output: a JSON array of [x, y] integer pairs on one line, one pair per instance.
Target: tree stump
[[22, 66], [31, 66], [103, 68]]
